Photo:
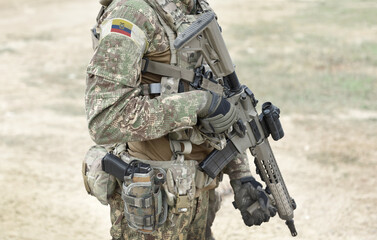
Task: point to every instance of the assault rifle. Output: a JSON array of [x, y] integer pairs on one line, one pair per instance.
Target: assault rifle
[[251, 130]]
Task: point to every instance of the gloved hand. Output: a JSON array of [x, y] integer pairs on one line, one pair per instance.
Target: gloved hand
[[218, 115], [248, 191]]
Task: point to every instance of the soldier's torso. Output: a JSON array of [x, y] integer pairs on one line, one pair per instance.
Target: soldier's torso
[[174, 17]]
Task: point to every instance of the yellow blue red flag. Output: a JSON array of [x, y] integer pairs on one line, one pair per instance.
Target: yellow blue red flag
[[121, 26]]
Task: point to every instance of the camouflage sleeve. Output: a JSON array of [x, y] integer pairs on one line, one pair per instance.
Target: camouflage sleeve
[[238, 168], [116, 111]]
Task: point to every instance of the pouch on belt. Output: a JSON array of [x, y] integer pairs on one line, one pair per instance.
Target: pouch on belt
[[97, 182]]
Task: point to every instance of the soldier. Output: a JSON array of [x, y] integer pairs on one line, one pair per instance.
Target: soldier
[[153, 115]]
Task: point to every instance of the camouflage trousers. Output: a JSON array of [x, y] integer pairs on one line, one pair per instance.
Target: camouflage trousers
[[184, 226]]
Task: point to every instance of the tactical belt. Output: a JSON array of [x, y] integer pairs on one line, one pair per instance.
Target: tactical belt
[[168, 70]]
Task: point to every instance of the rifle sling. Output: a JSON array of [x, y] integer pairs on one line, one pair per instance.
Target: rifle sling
[[168, 70]]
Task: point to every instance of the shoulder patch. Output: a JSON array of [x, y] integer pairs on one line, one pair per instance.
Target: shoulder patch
[[122, 26], [126, 28]]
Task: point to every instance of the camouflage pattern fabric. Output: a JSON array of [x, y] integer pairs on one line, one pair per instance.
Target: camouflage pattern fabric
[[174, 12], [97, 182], [116, 111], [238, 168], [189, 225]]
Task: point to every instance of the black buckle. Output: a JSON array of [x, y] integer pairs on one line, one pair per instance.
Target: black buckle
[[198, 78], [144, 70], [200, 73]]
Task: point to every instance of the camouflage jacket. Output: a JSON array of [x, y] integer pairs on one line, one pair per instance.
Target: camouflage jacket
[[117, 111]]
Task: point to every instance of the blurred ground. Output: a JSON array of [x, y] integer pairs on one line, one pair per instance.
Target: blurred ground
[[316, 60]]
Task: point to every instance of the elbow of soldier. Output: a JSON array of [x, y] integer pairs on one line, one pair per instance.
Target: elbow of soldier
[[99, 134]]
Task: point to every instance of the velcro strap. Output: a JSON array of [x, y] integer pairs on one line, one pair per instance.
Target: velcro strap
[[158, 204], [141, 221], [251, 180], [183, 202], [211, 86], [138, 202]]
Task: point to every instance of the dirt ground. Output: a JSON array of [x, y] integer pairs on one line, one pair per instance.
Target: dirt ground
[[329, 162]]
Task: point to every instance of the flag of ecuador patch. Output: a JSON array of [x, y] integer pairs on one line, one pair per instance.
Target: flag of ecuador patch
[[122, 26]]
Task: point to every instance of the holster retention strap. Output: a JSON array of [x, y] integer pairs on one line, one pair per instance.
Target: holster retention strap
[[139, 202], [139, 220]]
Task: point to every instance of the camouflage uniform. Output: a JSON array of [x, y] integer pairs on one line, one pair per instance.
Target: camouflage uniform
[[115, 109], [118, 111]]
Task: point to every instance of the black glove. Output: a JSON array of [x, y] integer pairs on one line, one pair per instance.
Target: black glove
[[218, 115], [247, 191]]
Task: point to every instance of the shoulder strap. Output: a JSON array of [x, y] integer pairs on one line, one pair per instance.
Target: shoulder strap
[[171, 36]]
